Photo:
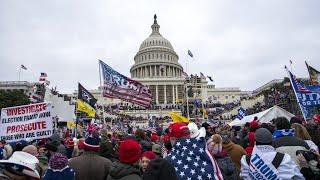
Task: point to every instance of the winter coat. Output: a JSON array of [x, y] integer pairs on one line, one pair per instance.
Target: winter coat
[[226, 165], [261, 166], [63, 174], [289, 145], [120, 171], [235, 152], [90, 166], [159, 169]]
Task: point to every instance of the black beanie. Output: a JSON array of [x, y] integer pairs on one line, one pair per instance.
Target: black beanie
[[160, 169]]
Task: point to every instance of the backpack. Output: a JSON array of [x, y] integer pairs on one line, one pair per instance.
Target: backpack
[[227, 167], [275, 162]]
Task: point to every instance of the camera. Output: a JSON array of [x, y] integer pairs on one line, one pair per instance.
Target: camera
[[308, 155]]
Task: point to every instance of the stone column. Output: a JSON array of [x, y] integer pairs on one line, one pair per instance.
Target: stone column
[[150, 71], [165, 94], [173, 98], [176, 91], [145, 71], [157, 100], [155, 70], [140, 69]]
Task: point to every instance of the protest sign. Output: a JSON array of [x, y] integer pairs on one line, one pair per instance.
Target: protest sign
[[26, 122]]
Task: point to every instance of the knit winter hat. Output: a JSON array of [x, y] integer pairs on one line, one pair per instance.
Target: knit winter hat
[[149, 154], [263, 135], [154, 137], [178, 130], [129, 151], [58, 161], [214, 144], [92, 144]]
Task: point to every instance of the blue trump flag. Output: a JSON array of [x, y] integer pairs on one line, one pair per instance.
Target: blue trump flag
[[307, 96], [192, 160], [241, 113]]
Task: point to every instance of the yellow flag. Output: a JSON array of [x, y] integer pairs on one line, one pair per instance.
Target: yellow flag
[[84, 107], [178, 118], [70, 124]]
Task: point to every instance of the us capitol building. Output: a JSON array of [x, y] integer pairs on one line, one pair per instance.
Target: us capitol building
[[156, 65]]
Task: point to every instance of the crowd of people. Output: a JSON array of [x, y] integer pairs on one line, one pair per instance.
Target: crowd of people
[[281, 149]]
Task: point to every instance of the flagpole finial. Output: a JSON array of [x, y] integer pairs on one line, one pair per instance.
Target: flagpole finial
[[155, 19]]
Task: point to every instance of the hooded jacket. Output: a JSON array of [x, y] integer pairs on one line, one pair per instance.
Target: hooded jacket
[[120, 171], [261, 165], [235, 152]]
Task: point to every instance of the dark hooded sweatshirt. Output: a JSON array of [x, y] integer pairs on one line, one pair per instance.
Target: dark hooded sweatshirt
[[120, 171]]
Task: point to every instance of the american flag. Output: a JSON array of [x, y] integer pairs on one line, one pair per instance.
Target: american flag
[[116, 85], [192, 161], [298, 86], [184, 74]]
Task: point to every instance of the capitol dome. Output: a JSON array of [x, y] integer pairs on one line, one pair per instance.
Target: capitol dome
[[156, 66], [156, 57]]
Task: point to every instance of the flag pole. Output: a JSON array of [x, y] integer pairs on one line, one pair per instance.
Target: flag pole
[[295, 93], [186, 87], [187, 97], [19, 72], [101, 90]]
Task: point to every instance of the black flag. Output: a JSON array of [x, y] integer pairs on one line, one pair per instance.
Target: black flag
[[86, 96]]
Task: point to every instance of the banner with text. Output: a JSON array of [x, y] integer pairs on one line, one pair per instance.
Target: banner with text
[[26, 122]]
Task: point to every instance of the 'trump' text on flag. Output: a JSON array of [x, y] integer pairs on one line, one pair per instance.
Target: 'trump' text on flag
[[116, 85]]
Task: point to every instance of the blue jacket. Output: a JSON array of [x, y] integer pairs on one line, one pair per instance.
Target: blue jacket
[[64, 174]]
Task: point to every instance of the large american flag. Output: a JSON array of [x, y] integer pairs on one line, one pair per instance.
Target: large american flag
[[116, 85], [192, 161]]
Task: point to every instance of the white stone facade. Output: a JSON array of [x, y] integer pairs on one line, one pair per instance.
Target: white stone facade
[[156, 65]]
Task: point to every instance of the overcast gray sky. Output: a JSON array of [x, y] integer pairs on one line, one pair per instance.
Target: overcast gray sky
[[240, 43]]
